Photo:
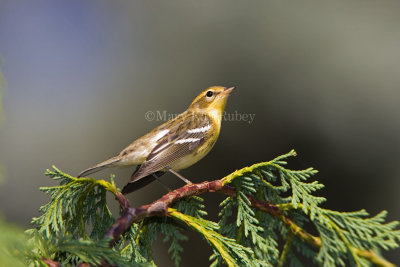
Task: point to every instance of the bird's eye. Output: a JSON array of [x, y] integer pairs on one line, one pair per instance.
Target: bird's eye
[[209, 93]]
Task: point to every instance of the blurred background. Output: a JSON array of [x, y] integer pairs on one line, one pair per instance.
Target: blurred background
[[322, 78]]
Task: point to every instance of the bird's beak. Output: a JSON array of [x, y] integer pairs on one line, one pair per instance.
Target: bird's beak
[[227, 91]]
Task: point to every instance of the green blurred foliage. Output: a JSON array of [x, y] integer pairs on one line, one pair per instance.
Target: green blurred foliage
[[12, 245]]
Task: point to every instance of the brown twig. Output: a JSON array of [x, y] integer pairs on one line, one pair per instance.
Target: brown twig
[[51, 263], [159, 207]]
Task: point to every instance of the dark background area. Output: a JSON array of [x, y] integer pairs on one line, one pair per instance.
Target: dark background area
[[320, 77]]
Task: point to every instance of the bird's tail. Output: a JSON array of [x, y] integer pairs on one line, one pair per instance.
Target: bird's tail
[[103, 165]]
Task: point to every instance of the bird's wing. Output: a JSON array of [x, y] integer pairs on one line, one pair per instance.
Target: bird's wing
[[180, 141], [133, 186]]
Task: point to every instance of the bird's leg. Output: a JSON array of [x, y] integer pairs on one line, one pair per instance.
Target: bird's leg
[[158, 180], [179, 176]]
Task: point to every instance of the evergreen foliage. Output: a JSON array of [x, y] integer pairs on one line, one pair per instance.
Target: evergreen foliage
[[261, 223]]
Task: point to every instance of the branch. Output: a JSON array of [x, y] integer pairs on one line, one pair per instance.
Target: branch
[[51, 263], [160, 208]]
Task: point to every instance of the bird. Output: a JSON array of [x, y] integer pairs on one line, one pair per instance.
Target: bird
[[174, 145]]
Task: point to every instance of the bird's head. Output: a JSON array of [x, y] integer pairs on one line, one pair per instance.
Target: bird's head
[[212, 100]]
